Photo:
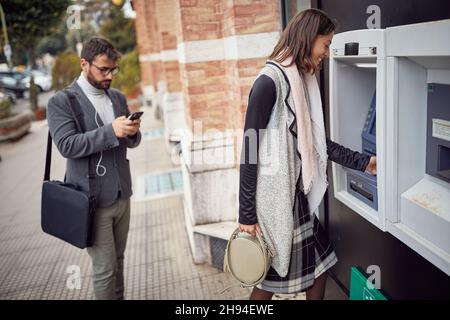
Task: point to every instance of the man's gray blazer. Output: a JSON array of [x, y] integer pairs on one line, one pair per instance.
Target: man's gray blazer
[[76, 146]]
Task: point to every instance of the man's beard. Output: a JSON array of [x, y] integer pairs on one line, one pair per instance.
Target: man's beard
[[101, 85]]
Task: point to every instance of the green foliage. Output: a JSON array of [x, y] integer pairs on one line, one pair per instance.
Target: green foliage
[[5, 108], [28, 21], [119, 30], [65, 70], [127, 80], [85, 32], [54, 43]]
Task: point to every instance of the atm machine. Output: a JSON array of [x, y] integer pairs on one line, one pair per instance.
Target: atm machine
[[390, 96], [418, 115], [438, 132], [357, 103], [363, 185]]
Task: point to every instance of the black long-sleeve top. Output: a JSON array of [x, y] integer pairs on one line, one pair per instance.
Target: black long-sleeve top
[[262, 98]]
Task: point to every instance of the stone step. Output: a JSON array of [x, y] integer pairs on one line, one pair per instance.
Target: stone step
[[221, 230]]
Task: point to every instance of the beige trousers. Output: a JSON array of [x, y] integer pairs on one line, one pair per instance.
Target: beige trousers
[[111, 227]]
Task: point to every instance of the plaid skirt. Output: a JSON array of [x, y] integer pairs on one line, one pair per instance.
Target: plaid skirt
[[311, 253]]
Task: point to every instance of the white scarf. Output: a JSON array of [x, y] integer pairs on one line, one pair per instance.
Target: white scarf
[[311, 141]]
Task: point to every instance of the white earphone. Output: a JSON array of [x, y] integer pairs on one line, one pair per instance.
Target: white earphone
[[100, 170]]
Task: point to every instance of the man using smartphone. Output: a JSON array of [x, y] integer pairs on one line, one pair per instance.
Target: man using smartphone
[[102, 149]]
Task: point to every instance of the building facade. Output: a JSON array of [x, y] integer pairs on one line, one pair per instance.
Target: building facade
[[198, 62]]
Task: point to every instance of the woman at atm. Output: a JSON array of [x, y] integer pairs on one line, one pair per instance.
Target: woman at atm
[[280, 204]]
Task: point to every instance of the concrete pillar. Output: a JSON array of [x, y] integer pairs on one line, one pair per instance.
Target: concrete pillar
[[204, 56], [222, 47]]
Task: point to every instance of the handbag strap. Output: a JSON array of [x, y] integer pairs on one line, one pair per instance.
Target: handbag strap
[[268, 255], [74, 105]]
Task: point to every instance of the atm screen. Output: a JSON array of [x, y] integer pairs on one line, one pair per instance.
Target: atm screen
[[369, 131], [373, 130], [438, 131]]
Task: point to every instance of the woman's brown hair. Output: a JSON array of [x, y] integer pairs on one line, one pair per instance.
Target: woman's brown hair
[[298, 38]]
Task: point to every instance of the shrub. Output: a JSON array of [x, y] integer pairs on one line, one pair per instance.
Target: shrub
[[127, 80], [5, 107], [65, 69]]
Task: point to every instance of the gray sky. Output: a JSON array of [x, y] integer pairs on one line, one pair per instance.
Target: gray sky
[[129, 13]]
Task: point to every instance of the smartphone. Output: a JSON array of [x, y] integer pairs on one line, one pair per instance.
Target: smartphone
[[135, 115]]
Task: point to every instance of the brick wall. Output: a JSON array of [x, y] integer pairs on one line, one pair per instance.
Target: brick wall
[[252, 17], [143, 35], [219, 100], [148, 42], [256, 16], [167, 29], [200, 20], [221, 46], [215, 69]]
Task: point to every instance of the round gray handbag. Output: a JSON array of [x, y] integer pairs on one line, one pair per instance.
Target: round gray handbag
[[247, 258]]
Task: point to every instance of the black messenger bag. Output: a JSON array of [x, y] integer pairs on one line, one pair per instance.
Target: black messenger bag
[[66, 211]]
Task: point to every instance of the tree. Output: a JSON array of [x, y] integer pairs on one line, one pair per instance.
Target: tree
[[65, 69], [28, 21], [85, 32], [129, 77], [54, 43], [119, 30]]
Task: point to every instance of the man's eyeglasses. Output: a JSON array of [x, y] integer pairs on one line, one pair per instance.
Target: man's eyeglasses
[[105, 71]]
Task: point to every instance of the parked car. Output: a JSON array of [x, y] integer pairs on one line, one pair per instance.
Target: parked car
[[42, 79], [15, 74], [14, 84]]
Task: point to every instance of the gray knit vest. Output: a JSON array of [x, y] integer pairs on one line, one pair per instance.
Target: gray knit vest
[[278, 169]]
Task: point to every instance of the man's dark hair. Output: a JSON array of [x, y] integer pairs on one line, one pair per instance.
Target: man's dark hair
[[97, 46]]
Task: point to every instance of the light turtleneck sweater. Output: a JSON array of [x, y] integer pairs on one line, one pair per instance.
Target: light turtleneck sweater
[[99, 100]]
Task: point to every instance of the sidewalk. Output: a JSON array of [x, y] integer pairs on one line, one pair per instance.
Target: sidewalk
[[158, 263], [158, 260], [23, 104]]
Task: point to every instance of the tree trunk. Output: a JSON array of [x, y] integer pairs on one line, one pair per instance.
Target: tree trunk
[[31, 58], [33, 88], [33, 94]]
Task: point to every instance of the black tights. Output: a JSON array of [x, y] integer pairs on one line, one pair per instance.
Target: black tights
[[317, 292]]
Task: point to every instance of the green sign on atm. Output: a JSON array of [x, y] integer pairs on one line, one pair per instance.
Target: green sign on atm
[[361, 289]]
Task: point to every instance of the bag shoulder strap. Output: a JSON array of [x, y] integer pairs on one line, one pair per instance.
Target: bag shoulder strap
[[74, 106], [48, 157], [75, 109], [114, 96]]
